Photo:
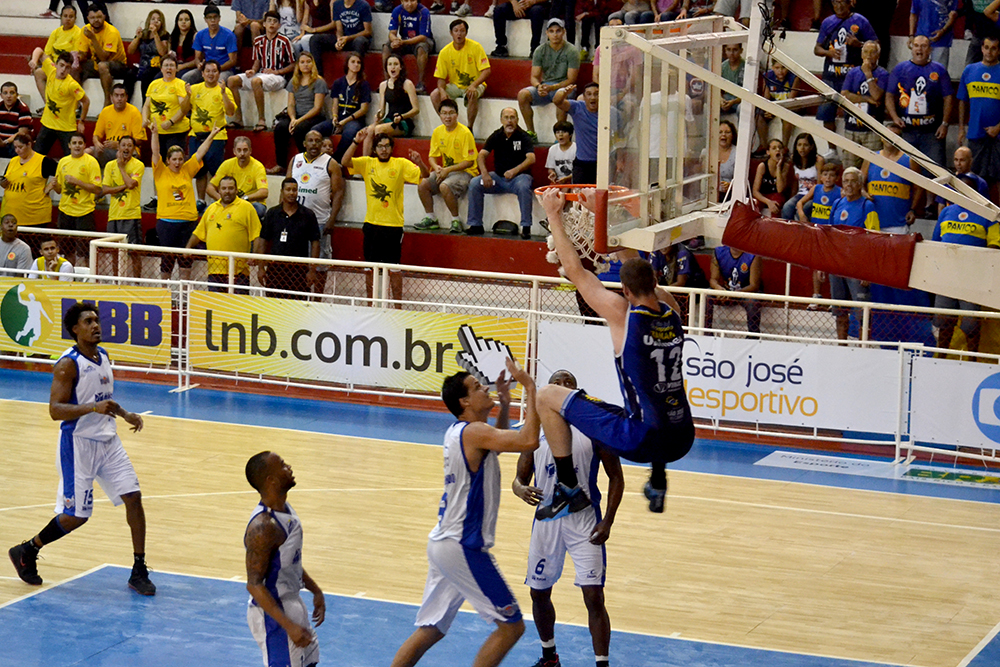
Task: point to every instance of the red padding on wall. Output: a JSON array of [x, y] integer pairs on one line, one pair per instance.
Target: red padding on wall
[[884, 259]]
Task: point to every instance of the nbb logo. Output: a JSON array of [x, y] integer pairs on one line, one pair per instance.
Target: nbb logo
[[986, 407], [123, 323]]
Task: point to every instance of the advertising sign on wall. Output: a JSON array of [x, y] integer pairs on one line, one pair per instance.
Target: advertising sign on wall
[[344, 344], [955, 402], [135, 321]]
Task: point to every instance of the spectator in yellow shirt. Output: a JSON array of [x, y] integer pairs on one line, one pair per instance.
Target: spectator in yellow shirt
[[250, 175], [176, 212], [123, 182], [384, 177], [453, 164], [229, 225], [62, 94], [461, 71], [67, 38], [78, 180], [29, 178], [210, 104], [107, 58], [167, 105], [120, 119]]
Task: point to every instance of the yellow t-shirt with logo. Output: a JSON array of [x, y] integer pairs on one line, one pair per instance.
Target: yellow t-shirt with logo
[[454, 147], [25, 196], [248, 179], [384, 187], [208, 110], [65, 41], [125, 205], [114, 125], [164, 101], [230, 228], [61, 96], [461, 67], [110, 40], [75, 200], [175, 196]]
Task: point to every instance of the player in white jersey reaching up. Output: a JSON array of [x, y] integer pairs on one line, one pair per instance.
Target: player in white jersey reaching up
[[82, 397], [460, 564], [582, 534], [276, 614]]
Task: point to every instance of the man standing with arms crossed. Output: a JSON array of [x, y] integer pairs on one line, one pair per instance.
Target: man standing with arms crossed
[[461, 566], [582, 535], [82, 398], [648, 336], [276, 614]]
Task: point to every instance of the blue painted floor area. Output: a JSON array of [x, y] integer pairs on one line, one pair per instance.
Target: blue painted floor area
[[427, 426], [95, 621]]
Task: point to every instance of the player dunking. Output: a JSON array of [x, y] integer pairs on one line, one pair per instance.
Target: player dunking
[[276, 614], [460, 564], [582, 535], [82, 397], [656, 425]]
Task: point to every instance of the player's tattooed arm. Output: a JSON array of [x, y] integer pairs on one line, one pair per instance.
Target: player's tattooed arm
[[319, 600], [262, 538]]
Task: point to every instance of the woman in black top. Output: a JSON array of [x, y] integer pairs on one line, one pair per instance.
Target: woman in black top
[[152, 42], [399, 104]]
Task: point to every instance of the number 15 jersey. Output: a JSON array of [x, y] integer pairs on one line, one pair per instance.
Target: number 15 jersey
[[650, 366]]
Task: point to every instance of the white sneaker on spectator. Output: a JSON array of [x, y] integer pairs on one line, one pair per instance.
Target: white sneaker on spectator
[[48, 14], [815, 306], [464, 10], [437, 7], [489, 12]]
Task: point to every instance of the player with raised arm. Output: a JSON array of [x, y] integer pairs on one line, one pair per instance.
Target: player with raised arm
[[276, 614], [460, 564], [655, 426], [82, 397], [582, 535]]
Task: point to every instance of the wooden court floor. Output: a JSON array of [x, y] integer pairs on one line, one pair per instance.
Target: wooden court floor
[[774, 565]]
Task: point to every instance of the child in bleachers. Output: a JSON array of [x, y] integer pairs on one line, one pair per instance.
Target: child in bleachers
[[779, 84], [561, 155], [820, 200], [807, 164], [772, 178]]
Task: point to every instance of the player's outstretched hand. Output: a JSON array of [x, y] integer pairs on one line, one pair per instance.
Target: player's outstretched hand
[[300, 635], [600, 533], [319, 609], [588, 197], [529, 494], [134, 420], [515, 371], [553, 201], [503, 388]]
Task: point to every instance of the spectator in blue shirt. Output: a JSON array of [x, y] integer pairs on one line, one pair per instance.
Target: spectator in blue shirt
[[919, 100], [249, 14], [410, 33], [935, 20], [839, 44], [958, 225], [213, 43], [865, 86], [350, 29], [852, 210], [584, 115], [979, 112]]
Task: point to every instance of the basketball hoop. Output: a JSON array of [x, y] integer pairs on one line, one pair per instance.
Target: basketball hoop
[[586, 227]]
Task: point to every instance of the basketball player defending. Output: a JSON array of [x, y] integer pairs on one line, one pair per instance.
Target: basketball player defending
[[655, 426], [460, 564], [582, 534], [82, 397], [276, 613]]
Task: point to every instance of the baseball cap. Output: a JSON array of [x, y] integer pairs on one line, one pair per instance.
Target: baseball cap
[[558, 22]]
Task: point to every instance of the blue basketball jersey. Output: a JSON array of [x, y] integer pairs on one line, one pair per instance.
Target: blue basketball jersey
[[649, 366], [823, 201], [890, 193]]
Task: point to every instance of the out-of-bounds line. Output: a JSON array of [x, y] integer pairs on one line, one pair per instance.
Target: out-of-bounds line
[[980, 646], [42, 589], [675, 636]]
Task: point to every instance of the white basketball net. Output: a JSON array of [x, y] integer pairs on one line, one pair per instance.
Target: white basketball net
[[578, 221]]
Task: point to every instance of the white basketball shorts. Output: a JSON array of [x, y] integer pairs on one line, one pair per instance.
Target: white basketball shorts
[[550, 540], [80, 462], [456, 574], [278, 649]]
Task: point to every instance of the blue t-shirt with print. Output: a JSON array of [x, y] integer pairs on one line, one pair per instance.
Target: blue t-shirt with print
[[833, 32], [354, 17], [980, 87], [857, 83], [408, 25], [920, 91], [932, 15]]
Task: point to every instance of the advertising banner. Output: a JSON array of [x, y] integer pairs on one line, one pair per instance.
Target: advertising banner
[[135, 321], [377, 347], [761, 382], [955, 402]]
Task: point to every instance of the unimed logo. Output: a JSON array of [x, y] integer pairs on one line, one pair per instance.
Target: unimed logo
[[986, 407]]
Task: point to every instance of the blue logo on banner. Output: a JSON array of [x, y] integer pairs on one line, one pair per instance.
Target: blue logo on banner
[[986, 407]]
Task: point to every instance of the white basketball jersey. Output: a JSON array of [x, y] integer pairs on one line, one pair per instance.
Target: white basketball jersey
[[284, 572], [314, 185], [468, 511], [585, 461], [94, 382]]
